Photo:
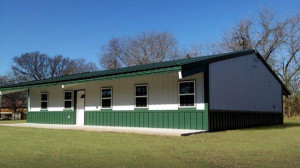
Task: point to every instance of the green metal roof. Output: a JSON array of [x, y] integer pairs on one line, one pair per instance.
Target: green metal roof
[[114, 73]]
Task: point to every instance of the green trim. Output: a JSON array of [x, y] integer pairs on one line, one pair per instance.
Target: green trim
[[118, 76], [106, 110], [186, 108], [27, 100], [68, 110], [0, 101], [141, 109], [44, 110]]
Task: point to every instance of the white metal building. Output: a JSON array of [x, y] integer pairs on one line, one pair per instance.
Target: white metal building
[[216, 92]]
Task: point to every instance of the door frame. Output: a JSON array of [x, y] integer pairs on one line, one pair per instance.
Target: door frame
[[75, 104]]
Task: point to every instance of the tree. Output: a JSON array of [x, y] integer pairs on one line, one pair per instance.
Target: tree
[[59, 66], [278, 41], [194, 50], [32, 66], [143, 48], [37, 66], [15, 100], [80, 66]]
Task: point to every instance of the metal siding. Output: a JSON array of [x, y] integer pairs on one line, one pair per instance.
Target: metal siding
[[243, 84], [51, 117], [175, 119], [163, 93], [162, 112]]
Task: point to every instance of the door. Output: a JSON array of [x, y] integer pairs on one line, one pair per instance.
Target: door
[[80, 107]]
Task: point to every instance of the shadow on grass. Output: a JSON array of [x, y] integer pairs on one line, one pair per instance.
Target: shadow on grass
[[284, 126]]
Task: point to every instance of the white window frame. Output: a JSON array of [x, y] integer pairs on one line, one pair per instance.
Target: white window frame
[[135, 96], [44, 100], [111, 98], [68, 99], [186, 94]]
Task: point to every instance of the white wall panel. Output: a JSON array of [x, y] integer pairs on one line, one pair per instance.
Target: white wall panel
[[243, 84], [163, 93]]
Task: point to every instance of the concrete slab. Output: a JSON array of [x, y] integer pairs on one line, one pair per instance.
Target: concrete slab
[[138, 130]]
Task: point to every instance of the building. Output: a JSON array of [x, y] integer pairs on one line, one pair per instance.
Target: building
[[216, 92], [7, 111]]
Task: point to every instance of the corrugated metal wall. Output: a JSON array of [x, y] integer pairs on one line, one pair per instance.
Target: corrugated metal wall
[[243, 93], [163, 110], [52, 117], [233, 120], [163, 93], [185, 119], [243, 84]]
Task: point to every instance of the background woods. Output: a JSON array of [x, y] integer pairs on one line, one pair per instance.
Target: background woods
[[38, 66], [277, 39]]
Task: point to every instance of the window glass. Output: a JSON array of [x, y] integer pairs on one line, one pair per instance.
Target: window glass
[[141, 102], [187, 100], [141, 96], [68, 100], [44, 100], [141, 90], [68, 95], [106, 97], [187, 94], [106, 93], [68, 104], [186, 87], [44, 97], [44, 105], [106, 103]]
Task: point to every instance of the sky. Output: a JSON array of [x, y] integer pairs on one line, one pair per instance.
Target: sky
[[78, 28]]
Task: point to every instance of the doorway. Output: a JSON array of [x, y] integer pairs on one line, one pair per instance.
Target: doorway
[[80, 97]]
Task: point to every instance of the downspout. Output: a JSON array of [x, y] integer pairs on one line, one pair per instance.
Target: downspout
[[28, 101], [0, 101]]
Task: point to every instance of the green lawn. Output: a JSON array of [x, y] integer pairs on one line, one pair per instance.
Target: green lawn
[[276, 146]]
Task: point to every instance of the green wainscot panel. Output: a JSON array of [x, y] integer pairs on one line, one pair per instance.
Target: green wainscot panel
[[175, 119], [51, 117]]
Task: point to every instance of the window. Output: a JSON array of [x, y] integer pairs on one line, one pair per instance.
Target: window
[[106, 97], [141, 96], [44, 100], [68, 99], [187, 94]]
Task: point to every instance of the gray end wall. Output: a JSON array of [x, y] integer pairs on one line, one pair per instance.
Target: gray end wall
[[243, 84]]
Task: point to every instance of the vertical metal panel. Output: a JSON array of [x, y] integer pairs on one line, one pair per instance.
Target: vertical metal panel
[[163, 93], [186, 119], [235, 120], [51, 117], [243, 84]]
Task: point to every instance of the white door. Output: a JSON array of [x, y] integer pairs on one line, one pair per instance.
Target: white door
[[80, 107]]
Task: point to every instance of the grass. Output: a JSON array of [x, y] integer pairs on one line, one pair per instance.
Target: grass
[[274, 146]]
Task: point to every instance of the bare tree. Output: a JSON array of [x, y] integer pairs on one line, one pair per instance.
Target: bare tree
[[239, 38], [143, 48], [289, 65], [59, 66], [278, 41], [33, 66], [79, 66], [192, 51], [37, 66]]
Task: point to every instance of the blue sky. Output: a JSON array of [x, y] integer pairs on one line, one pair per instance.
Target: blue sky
[[77, 28]]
